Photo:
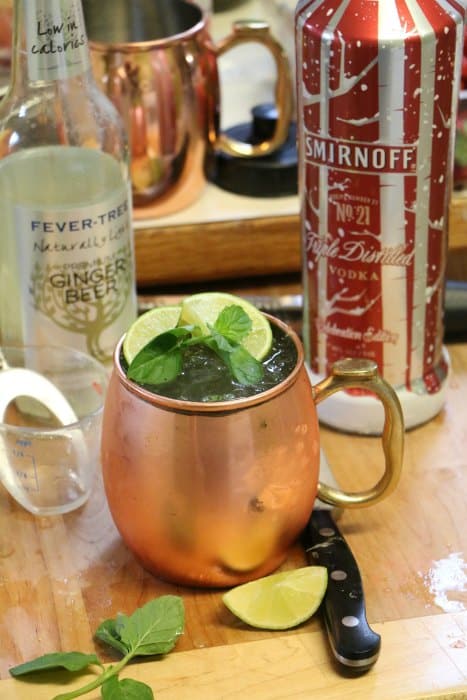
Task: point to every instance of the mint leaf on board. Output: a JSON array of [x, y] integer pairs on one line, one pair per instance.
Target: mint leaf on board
[[233, 323], [70, 660], [127, 689], [154, 628], [108, 632]]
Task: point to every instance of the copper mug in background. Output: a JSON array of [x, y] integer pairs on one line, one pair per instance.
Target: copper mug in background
[[214, 494], [157, 63]]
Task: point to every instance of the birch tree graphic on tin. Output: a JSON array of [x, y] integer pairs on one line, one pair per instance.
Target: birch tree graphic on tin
[[353, 303], [345, 302], [88, 317], [346, 82]]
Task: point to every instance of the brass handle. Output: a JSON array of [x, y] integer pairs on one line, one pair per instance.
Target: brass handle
[[363, 374], [258, 31]]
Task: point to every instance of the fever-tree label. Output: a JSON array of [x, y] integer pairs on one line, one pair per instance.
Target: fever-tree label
[[71, 261], [77, 272], [377, 98]]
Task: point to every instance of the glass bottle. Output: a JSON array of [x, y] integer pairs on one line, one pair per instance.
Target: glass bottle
[[66, 246]]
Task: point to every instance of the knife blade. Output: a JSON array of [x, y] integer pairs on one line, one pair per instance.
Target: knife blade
[[290, 306], [353, 642]]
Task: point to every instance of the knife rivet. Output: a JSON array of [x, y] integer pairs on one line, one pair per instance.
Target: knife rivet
[[350, 621], [327, 532], [338, 575]]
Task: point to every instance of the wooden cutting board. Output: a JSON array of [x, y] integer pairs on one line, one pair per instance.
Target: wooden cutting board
[[422, 658], [61, 576]]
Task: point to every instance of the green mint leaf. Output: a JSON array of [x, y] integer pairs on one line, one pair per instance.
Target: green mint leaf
[[108, 632], [157, 369], [127, 689], [217, 341], [231, 326], [241, 364], [71, 661], [160, 360], [233, 323], [154, 628], [244, 367]]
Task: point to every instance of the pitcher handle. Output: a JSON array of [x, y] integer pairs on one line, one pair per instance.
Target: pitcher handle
[[363, 374], [244, 31]]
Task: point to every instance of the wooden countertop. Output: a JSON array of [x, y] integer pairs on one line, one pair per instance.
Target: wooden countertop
[[226, 236], [61, 576]]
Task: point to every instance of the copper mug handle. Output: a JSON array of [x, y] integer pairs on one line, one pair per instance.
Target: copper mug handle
[[258, 31], [363, 374]]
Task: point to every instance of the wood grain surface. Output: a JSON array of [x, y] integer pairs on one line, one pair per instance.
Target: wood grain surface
[[244, 247], [422, 659], [61, 576]]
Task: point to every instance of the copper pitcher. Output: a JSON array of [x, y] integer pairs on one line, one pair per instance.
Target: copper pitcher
[[157, 63], [214, 494]]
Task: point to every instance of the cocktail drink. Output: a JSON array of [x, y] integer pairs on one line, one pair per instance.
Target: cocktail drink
[[211, 473], [207, 378]]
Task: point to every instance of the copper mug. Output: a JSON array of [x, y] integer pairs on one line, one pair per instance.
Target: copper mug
[[157, 63], [214, 494]]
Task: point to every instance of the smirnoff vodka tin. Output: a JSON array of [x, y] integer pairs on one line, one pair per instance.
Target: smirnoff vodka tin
[[377, 91]]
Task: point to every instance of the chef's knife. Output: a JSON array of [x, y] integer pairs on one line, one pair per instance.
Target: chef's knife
[[353, 642]]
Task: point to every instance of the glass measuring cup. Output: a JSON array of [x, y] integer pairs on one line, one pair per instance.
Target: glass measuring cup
[[50, 429]]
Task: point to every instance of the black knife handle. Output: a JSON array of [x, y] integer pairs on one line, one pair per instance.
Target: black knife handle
[[353, 642]]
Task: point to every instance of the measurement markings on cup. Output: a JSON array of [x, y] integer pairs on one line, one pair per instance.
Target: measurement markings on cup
[[25, 465]]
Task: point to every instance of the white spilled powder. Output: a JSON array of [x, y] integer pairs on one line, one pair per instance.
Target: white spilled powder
[[445, 578]]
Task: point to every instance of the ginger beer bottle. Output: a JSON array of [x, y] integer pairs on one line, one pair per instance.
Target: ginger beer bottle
[[66, 247]]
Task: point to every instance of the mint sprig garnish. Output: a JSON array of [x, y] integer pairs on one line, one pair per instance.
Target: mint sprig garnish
[[70, 661], [161, 360], [233, 323], [151, 630]]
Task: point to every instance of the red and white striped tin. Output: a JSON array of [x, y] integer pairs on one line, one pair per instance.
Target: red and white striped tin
[[377, 91]]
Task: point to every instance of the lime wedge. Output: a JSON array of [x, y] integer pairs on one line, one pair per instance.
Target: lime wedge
[[204, 308], [279, 601], [148, 326]]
